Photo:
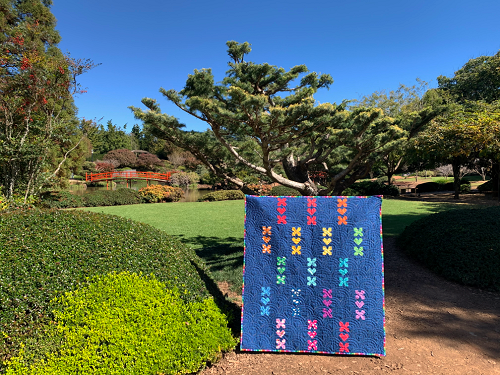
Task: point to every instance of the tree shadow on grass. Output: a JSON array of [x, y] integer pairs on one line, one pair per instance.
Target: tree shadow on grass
[[220, 254]]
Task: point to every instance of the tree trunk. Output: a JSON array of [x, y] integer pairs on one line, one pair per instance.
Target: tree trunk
[[456, 178]]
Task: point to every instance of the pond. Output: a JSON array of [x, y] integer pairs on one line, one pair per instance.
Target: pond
[[190, 195]]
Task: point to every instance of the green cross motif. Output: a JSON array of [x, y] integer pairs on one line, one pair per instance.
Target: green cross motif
[[358, 250], [281, 261], [358, 232], [280, 279]]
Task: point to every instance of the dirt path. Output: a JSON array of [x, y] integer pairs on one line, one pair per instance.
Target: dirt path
[[433, 327]]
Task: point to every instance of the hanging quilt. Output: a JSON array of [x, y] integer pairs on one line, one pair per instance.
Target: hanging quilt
[[313, 276]]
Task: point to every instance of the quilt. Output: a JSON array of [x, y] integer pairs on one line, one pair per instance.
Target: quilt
[[313, 276]]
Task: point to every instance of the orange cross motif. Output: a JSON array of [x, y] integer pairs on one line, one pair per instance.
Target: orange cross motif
[[341, 202], [266, 248], [266, 230], [342, 220]]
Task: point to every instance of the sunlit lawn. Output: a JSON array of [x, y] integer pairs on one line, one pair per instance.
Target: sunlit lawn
[[215, 229]]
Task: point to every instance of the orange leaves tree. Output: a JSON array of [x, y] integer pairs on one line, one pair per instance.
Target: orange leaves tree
[[37, 84]]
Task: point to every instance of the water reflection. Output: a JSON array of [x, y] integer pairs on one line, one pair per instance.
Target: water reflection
[[190, 195]]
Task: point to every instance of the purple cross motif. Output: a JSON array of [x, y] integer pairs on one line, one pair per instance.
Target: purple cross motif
[[327, 293], [360, 314], [360, 294], [327, 313]]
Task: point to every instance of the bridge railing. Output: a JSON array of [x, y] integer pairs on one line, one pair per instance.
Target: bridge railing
[[129, 175]]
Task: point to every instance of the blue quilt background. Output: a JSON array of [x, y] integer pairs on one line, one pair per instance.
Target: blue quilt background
[[313, 276]]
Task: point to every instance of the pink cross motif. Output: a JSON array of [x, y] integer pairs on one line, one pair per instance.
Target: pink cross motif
[[281, 219], [344, 347], [313, 324], [327, 293], [312, 344], [344, 326], [327, 313], [311, 202], [280, 323], [282, 202], [360, 314], [280, 343], [360, 294]]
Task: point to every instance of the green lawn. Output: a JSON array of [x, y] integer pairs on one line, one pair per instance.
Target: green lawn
[[215, 229]]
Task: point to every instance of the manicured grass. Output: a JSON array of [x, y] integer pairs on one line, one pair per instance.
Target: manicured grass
[[215, 229]]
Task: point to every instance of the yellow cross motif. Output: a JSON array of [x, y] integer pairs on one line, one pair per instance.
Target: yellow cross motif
[[327, 241], [296, 250], [296, 240], [327, 232], [327, 250], [296, 231]]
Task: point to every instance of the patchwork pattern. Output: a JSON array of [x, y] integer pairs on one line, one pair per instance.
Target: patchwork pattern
[[313, 275]]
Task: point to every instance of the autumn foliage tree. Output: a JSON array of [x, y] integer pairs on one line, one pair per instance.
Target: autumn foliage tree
[[37, 84], [265, 119]]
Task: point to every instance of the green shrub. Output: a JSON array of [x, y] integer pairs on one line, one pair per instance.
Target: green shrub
[[116, 197], [61, 199], [281, 190], [487, 186], [125, 323], [429, 187], [461, 245], [161, 193], [364, 188], [222, 195], [45, 253], [451, 187]]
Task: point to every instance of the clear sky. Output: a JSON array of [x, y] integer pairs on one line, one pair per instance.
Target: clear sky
[[365, 45]]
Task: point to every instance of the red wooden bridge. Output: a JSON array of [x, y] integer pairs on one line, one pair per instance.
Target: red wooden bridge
[[129, 176]]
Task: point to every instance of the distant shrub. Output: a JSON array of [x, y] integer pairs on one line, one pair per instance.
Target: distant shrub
[[261, 189], [103, 166], [46, 253], [161, 193], [462, 245], [222, 195], [429, 187], [487, 186], [148, 162], [123, 156], [281, 190], [125, 323], [364, 188], [61, 199], [184, 179]]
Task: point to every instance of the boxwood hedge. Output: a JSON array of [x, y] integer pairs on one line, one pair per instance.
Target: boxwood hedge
[[222, 195], [128, 324], [45, 253], [463, 245]]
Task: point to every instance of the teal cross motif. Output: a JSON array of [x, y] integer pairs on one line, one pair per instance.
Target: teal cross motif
[[311, 262], [311, 280], [343, 281], [343, 262]]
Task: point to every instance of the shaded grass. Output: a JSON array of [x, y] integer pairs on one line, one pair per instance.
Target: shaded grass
[[215, 229]]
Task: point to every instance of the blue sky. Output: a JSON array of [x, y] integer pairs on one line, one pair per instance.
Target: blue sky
[[364, 45]]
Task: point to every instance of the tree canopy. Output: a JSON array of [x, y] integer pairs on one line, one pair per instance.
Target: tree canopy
[[265, 118]]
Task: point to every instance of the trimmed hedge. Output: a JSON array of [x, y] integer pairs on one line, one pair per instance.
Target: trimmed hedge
[[222, 195], [64, 199], [462, 245], [364, 188], [429, 187], [487, 186], [46, 253], [126, 323], [281, 190]]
